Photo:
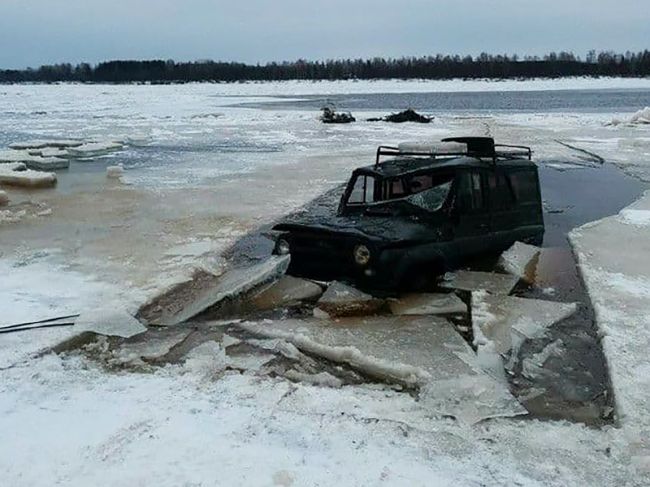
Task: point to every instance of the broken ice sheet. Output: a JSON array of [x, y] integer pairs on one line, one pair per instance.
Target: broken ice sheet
[[424, 351], [506, 321], [405, 349], [475, 281], [190, 297], [470, 399]]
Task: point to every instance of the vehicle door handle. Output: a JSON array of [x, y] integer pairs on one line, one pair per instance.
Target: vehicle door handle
[[483, 226]]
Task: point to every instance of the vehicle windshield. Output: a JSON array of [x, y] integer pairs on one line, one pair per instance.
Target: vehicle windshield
[[427, 191]]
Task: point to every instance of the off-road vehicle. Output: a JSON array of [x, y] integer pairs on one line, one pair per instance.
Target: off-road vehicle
[[425, 210]]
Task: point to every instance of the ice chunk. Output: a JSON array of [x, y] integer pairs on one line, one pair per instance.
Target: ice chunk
[[475, 281], [188, 298], [285, 291], [151, 346], [520, 260], [640, 117], [427, 304], [115, 172], [635, 217], [40, 144], [470, 399], [507, 321], [49, 152], [206, 359], [94, 149], [33, 161], [17, 175], [110, 322], [4, 198], [414, 351], [324, 379], [407, 349], [343, 300]]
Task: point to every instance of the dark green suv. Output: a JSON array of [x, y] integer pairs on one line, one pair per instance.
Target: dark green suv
[[423, 211]]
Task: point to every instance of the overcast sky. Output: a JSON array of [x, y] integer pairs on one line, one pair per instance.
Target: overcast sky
[[35, 32]]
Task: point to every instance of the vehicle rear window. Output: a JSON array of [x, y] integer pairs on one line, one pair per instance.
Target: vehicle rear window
[[524, 185]]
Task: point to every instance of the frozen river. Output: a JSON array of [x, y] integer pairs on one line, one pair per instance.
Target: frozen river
[[212, 163]]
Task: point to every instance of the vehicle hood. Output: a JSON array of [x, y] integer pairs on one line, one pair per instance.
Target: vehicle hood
[[390, 230]]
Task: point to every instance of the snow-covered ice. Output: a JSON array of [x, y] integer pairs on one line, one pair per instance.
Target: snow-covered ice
[[613, 260]]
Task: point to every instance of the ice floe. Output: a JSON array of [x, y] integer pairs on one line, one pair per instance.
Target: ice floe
[[427, 304], [16, 174], [640, 117], [42, 144], [94, 149], [475, 281]]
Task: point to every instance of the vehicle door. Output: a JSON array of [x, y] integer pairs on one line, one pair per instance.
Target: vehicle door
[[471, 214], [528, 217], [505, 215]]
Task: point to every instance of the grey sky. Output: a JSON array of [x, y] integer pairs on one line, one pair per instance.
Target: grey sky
[[35, 32]]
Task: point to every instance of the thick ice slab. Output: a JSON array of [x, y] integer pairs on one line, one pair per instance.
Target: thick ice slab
[[94, 149], [417, 351], [476, 281], [427, 304], [40, 144], [286, 290], [188, 298], [520, 260], [343, 300], [109, 322], [15, 174], [33, 161], [613, 260], [506, 321]]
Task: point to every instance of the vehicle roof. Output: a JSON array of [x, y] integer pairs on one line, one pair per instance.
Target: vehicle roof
[[405, 164]]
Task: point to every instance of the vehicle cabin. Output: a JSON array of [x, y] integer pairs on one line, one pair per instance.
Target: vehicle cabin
[[426, 209]]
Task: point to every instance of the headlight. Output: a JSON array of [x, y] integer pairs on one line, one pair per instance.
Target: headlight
[[361, 255], [282, 247]]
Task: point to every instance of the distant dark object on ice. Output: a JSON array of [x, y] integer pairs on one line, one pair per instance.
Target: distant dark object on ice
[[408, 115], [331, 116]]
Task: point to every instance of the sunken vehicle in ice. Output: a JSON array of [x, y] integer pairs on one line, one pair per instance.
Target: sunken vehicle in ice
[[418, 212]]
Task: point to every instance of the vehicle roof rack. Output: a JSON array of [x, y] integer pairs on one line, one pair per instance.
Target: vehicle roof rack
[[478, 147]]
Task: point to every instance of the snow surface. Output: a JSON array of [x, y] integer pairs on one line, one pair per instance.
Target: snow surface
[[613, 260]]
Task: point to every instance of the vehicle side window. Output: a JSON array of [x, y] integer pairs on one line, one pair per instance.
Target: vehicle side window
[[470, 192], [363, 191], [501, 194], [524, 185]]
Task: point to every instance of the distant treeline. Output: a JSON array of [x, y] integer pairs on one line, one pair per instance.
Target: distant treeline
[[552, 65]]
